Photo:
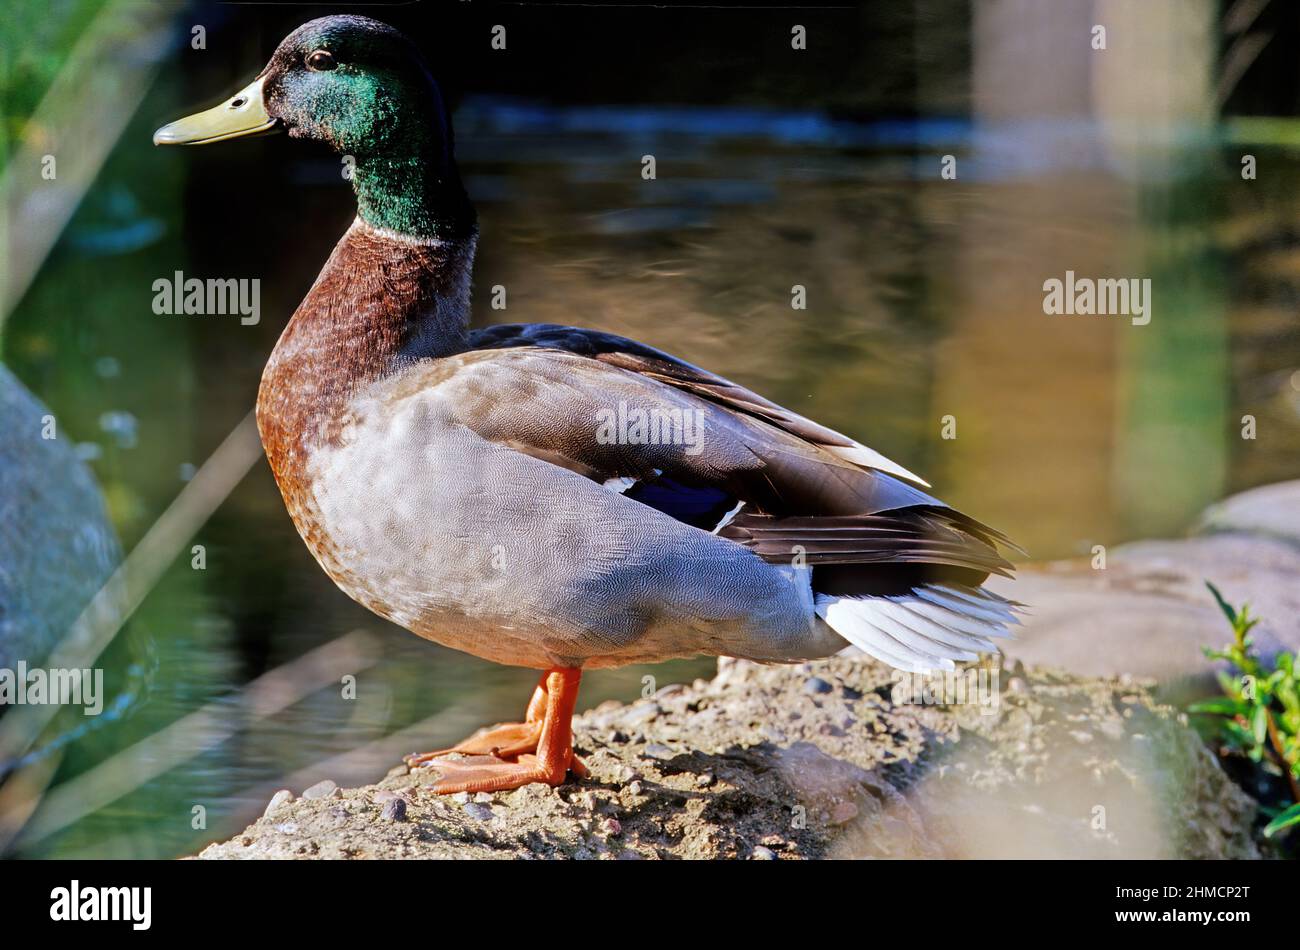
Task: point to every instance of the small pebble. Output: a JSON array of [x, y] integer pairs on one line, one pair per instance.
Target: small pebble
[[1017, 685], [339, 812], [484, 798], [323, 789], [479, 811], [761, 853], [383, 795], [1112, 729], [394, 810], [657, 750], [283, 796], [642, 713], [815, 685], [843, 812], [611, 826], [634, 788], [460, 798]]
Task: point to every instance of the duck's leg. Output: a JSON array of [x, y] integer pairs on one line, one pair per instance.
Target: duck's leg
[[554, 758], [504, 740]]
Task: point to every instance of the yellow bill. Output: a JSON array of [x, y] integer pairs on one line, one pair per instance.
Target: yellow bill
[[243, 114]]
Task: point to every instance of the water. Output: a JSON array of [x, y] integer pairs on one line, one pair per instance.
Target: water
[[924, 302]]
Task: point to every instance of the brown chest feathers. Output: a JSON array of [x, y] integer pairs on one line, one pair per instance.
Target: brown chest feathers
[[380, 302]]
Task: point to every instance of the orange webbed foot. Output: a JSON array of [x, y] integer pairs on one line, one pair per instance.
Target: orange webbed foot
[[485, 773], [511, 755], [504, 741]]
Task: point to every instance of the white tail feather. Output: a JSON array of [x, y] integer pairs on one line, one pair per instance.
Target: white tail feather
[[927, 629]]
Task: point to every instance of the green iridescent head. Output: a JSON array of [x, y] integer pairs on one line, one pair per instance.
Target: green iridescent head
[[362, 88]]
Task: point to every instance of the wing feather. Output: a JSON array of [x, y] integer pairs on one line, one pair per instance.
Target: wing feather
[[783, 482]]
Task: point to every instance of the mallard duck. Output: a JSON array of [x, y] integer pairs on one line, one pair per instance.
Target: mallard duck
[[550, 496]]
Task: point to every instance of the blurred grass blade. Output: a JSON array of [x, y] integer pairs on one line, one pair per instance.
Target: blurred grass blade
[[1226, 607], [79, 120], [198, 732]]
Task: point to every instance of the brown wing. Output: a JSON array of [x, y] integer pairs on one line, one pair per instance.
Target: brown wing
[[789, 487], [665, 368]]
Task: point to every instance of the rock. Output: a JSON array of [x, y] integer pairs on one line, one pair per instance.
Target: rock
[[394, 810], [1148, 613], [1269, 511], [816, 685], [641, 713], [324, 789], [479, 811], [57, 547], [999, 776], [278, 799]]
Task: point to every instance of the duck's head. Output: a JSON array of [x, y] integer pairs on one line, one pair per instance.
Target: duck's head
[[362, 88]]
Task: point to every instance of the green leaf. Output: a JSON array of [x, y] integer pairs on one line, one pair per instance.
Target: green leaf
[[1236, 734], [1259, 724], [1223, 604], [1219, 706], [1285, 820]]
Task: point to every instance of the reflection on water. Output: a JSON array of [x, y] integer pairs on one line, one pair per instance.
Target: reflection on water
[[924, 301]]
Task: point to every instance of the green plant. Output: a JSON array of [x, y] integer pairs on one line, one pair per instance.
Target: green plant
[[1259, 714]]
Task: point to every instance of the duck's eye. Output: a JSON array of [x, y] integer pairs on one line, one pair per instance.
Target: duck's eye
[[321, 60]]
